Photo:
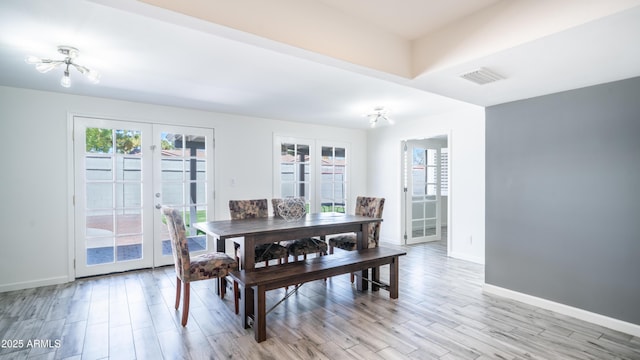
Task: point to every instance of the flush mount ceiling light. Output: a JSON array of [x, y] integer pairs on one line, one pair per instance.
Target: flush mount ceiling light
[[379, 113], [70, 54]]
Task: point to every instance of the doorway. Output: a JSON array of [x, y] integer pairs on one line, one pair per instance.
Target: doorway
[[425, 174], [124, 172]]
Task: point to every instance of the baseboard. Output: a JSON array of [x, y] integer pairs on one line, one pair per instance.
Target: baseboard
[[466, 257], [35, 283], [611, 323]]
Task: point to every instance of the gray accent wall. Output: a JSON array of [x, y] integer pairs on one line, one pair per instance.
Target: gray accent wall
[[563, 198]]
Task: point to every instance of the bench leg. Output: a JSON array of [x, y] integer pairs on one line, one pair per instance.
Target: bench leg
[[246, 305], [361, 281], [393, 278], [260, 318], [244, 316], [375, 277]]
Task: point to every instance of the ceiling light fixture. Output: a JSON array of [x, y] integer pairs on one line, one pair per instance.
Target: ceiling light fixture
[[70, 53], [379, 113]]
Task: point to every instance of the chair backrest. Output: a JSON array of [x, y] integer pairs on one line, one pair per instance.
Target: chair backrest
[[371, 207], [276, 203], [179, 247], [248, 209]]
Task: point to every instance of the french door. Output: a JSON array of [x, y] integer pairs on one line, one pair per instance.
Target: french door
[[422, 192], [124, 172]]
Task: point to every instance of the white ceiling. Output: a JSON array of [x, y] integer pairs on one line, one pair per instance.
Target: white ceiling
[[149, 54]]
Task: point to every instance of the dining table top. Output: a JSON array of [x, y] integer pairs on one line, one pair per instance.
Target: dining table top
[[258, 226]]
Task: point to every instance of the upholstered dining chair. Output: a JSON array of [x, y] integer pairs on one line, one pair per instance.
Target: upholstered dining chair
[[258, 208], [193, 268], [299, 247], [365, 206]]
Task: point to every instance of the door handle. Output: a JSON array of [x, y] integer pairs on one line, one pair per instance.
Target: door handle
[[158, 206]]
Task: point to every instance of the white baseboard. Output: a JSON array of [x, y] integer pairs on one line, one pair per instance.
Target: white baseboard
[[466, 257], [34, 283], [611, 323]]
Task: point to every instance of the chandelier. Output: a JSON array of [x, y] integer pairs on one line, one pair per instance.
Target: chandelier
[[70, 54], [379, 114]]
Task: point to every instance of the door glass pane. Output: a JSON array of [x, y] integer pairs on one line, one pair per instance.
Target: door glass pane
[[98, 168], [127, 141], [430, 227], [98, 141], [129, 168], [129, 248], [430, 210], [99, 195], [417, 210], [99, 224], [172, 169], [172, 193], [128, 195], [128, 222]]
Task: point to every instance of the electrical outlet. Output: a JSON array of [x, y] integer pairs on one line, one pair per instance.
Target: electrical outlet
[[470, 240]]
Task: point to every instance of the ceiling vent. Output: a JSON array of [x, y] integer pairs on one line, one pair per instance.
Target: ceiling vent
[[482, 76]]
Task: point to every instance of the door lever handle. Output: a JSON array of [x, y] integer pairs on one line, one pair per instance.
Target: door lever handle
[[158, 206]]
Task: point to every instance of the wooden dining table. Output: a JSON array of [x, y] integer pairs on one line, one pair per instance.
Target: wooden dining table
[[252, 232]]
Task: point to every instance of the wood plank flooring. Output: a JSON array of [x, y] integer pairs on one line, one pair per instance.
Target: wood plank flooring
[[441, 314]]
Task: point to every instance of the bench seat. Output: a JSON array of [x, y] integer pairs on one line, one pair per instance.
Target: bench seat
[[254, 284]]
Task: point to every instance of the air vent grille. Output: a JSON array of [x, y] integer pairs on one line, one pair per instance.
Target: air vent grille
[[482, 76]]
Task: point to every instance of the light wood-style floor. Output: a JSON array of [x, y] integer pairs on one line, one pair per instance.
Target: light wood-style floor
[[441, 314]]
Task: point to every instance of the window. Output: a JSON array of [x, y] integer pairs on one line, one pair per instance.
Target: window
[[314, 170], [295, 170], [333, 181]]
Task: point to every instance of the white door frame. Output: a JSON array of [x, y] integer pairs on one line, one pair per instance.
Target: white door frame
[[450, 217]]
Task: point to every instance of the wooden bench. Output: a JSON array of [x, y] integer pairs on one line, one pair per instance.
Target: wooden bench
[[254, 284]]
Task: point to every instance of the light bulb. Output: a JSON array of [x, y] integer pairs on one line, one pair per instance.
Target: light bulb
[[45, 66], [33, 60], [93, 76], [66, 80]]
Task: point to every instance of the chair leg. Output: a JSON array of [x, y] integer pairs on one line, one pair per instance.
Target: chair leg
[[330, 250], [178, 288], [352, 278], [236, 297], [185, 304], [222, 286]]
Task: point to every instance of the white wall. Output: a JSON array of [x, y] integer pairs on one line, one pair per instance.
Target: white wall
[[466, 190], [35, 220]]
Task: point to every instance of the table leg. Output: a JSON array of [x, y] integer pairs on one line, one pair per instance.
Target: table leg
[[362, 243], [248, 251], [219, 246], [393, 278], [260, 318]]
